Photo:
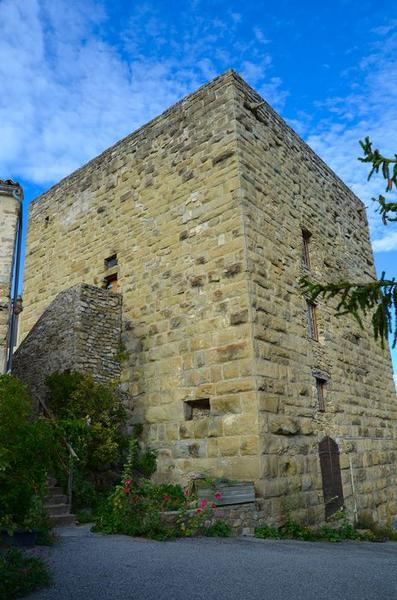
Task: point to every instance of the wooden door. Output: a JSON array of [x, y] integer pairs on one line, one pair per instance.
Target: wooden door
[[331, 476]]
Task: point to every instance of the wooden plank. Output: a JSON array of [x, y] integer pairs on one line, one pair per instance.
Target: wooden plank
[[239, 493]]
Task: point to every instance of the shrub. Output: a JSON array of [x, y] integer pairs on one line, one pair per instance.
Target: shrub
[[268, 532], [21, 574], [141, 463], [91, 417], [294, 530], [29, 448], [345, 531], [136, 506], [219, 529]]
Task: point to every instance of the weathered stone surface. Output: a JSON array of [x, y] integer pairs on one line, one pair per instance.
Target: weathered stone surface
[[284, 425], [79, 331], [205, 207], [243, 518]]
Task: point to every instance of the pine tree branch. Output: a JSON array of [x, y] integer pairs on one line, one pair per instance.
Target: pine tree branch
[[376, 297], [388, 168]]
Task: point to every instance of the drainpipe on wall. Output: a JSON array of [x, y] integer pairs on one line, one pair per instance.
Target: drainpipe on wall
[[15, 299], [11, 189]]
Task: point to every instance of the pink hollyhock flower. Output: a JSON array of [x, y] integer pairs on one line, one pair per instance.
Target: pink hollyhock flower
[[199, 510], [126, 490], [203, 503], [217, 495], [213, 505], [166, 498], [186, 493], [128, 482]]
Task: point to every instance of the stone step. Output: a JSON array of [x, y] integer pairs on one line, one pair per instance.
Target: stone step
[[54, 490], [63, 519], [52, 481], [56, 499], [56, 509]]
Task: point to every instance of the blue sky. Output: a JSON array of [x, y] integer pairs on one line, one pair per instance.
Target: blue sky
[[77, 75]]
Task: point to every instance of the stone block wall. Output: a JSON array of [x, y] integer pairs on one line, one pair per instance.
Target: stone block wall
[[201, 211], [79, 331], [166, 201], [287, 189], [243, 518]]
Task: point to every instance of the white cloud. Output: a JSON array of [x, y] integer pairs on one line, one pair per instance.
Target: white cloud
[[72, 90], [387, 243], [69, 95], [368, 109]]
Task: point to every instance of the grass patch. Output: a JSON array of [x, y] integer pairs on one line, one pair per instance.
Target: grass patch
[[21, 574], [219, 529], [292, 530]]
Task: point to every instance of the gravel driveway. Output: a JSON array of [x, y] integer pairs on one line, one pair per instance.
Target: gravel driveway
[[96, 567]]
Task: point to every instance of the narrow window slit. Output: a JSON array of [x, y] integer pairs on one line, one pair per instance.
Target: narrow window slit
[[306, 235], [311, 312], [111, 261], [320, 387]]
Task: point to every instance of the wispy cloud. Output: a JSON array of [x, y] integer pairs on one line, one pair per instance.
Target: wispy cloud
[[367, 109], [72, 89], [387, 243]]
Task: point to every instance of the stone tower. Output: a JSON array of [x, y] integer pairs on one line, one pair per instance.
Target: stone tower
[[11, 196], [204, 220]]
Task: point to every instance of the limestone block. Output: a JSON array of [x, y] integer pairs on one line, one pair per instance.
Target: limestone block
[[162, 414], [200, 428], [246, 468], [268, 403], [225, 405], [231, 352], [215, 427], [284, 425], [236, 424], [186, 430], [249, 445], [229, 446]]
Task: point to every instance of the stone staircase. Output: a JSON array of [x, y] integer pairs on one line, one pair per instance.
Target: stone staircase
[[56, 505]]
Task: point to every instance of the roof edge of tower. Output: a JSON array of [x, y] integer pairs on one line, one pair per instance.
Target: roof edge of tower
[[226, 76]]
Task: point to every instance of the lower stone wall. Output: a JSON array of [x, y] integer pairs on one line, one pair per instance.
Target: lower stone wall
[[79, 331], [243, 518]]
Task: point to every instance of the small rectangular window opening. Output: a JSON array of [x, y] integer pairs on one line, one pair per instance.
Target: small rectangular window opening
[[312, 320], [320, 387], [110, 283], [197, 409], [111, 261], [306, 235]]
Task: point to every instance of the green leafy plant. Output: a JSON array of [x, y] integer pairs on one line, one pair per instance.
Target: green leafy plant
[[219, 529], [375, 298], [30, 447], [21, 574], [266, 532], [296, 531], [139, 507], [139, 462], [90, 416], [332, 533]]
